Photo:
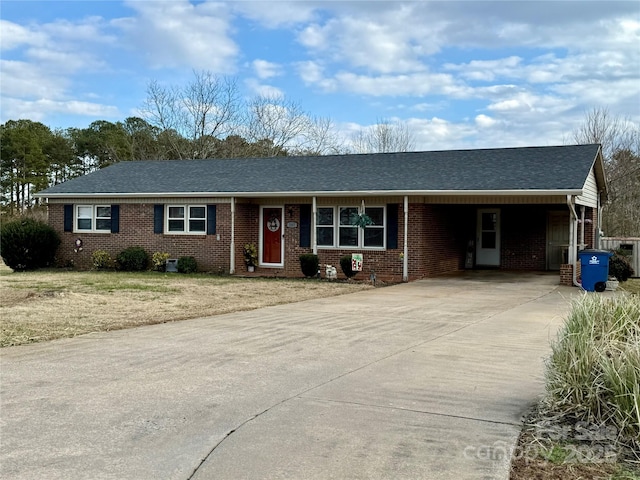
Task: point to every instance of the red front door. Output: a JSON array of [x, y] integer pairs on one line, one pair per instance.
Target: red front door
[[272, 235]]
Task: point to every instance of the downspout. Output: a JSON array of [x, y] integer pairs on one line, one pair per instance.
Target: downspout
[[573, 240], [314, 239], [598, 223], [582, 244], [232, 246], [405, 259]]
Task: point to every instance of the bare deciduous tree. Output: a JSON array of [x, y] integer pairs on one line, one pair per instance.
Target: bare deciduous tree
[[202, 111], [385, 136], [620, 140]]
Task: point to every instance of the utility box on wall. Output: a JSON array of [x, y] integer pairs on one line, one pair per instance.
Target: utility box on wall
[[172, 265]]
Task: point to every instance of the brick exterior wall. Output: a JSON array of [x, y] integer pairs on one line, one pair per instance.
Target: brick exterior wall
[[437, 243], [524, 238], [136, 229]]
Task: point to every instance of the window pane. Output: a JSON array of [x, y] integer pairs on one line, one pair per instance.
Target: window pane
[[176, 225], [84, 224], [325, 216], [347, 215], [376, 214], [176, 212], [196, 212], [349, 236], [103, 224], [325, 236], [196, 225], [373, 237], [488, 221], [104, 212], [85, 212]]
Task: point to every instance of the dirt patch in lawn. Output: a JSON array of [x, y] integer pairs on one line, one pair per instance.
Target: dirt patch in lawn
[[45, 305]]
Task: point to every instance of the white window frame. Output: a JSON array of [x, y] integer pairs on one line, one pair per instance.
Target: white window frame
[[332, 226], [186, 219], [360, 243], [94, 219]]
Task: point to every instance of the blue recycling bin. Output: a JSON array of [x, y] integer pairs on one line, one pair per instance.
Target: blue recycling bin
[[594, 266]]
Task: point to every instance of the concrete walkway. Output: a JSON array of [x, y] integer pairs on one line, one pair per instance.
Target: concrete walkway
[[426, 380]]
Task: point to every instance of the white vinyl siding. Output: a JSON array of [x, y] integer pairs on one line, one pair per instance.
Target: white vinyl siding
[[589, 195]]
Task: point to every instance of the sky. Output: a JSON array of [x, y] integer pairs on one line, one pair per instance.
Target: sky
[[468, 74]]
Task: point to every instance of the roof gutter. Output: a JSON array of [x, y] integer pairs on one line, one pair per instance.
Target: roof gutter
[[332, 193]]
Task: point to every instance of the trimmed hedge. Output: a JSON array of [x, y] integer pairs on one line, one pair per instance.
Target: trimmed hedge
[[187, 265], [28, 244], [132, 259], [309, 263], [345, 264]]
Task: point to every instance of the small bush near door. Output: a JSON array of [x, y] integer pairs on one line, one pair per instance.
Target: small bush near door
[[345, 264], [309, 264], [132, 259], [187, 265]]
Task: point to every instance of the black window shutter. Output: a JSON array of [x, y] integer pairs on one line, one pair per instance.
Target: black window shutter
[[115, 218], [305, 226], [68, 218], [392, 225], [211, 219], [158, 218]]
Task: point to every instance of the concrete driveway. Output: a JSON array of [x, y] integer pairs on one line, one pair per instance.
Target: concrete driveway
[[426, 380]]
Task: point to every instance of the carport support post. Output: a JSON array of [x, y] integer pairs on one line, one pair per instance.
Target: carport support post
[[405, 260], [314, 210], [232, 247]]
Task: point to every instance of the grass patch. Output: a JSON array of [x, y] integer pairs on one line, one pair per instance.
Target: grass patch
[[632, 286], [44, 305]]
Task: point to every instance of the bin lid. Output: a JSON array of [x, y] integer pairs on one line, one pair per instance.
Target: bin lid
[[595, 251]]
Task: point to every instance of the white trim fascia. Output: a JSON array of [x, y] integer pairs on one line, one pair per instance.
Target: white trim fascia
[[332, 193]]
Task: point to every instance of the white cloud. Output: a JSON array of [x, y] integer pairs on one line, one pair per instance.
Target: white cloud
[[263, 90], [174, 34], [277, 14], [28, 80], [483, 121], [265, 69], [13, 35], [40, 110]]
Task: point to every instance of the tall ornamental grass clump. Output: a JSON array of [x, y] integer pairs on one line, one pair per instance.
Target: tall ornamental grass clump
[[593, 373]]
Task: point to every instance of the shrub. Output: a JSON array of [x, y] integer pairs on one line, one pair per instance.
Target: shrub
[[593, 373], [159, 261], [187, 265], [620, 267], [309, 264], [132, 259], [28, 244], [102, 260], [250, 253], [345, 264]]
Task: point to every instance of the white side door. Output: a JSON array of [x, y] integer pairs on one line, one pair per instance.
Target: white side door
[[488, 237]]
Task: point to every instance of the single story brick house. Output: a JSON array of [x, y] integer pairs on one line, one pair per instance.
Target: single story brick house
[[433, 212]]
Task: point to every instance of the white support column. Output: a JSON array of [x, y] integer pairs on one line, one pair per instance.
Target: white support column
[[314, 239], [232, 246], [405, 260]]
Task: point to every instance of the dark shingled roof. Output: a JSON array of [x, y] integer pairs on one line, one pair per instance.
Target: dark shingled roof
[[531, 168]]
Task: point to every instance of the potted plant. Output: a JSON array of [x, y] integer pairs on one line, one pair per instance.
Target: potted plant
[[250, 256]]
